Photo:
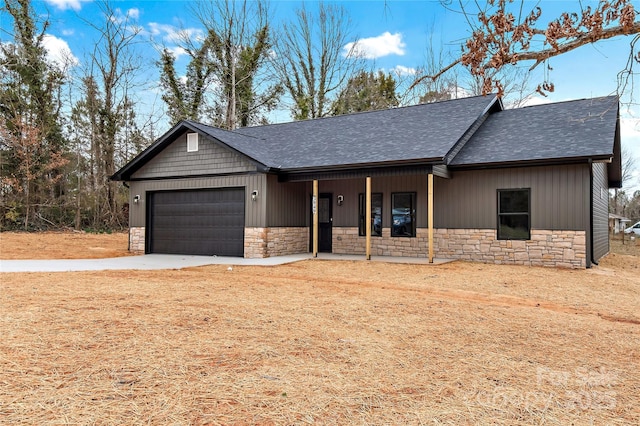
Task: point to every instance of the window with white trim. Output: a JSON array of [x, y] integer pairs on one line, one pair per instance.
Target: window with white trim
[[192, 142]]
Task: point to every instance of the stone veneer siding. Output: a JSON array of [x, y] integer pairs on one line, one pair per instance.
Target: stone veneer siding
[[136, 239], [267, 242], [545, 248], [566, 249]]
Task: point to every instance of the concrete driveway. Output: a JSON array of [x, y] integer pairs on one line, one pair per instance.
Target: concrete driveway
[[176, 261], [149, 261]]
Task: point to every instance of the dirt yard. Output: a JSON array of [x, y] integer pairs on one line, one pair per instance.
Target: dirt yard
[[321, 342]]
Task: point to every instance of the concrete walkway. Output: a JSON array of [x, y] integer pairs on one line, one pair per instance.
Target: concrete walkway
[[170, 261]]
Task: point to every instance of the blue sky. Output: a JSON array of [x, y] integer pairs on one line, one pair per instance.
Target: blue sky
[[395, 35]]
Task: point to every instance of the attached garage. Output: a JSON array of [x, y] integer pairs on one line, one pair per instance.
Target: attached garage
[[196, 222]]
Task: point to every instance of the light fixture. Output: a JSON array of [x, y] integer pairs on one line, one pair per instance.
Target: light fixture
[[136, 199], [340, 199], [254, 195]]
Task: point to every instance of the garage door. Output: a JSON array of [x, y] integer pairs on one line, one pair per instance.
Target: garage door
[[203, 222]]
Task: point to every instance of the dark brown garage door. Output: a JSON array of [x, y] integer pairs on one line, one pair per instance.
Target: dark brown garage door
[[203, 222]]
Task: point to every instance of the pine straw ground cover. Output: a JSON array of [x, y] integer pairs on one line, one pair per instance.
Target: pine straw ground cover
[[323, 342], [62, 245]]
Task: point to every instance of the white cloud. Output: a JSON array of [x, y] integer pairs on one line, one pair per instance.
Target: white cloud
[[401, 70], [177, 51], [133, 13], [58, 51], [67, 4], [376, 47], [172, 34], [68, 32], [534, 100], [630, 128]]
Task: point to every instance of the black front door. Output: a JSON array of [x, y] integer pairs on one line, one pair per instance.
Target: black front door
[[325, 222]]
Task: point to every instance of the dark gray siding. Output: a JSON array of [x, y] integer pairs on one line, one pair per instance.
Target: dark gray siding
[[559, 197], [347, 214], [254, 210], [600, 211], [286, 203], [211, 158]]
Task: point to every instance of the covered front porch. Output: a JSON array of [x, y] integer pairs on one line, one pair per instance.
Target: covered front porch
[[397, 204]]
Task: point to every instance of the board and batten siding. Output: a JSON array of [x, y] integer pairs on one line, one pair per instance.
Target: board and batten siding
[[347, 214], [211, 158], [254, 210], [559, 197], [286, 203], [600, 196]]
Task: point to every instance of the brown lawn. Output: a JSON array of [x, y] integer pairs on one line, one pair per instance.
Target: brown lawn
[[323, 342], [62, 245]]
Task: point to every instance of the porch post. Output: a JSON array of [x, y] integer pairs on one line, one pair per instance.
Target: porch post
[[430, 213], [367, 219], [314, 207]]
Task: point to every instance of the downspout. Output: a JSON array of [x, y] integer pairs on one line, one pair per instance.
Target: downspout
[[591, 213], [129, 236]]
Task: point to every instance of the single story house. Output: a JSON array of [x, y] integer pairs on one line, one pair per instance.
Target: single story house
[[463, 179], [618, 223]]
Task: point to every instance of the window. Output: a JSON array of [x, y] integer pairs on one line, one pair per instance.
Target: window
[[192, 142], [403, 214], [514, 207], [376, 215]]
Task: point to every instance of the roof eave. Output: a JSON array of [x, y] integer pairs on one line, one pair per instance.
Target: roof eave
[[358, 166], [533, 162]]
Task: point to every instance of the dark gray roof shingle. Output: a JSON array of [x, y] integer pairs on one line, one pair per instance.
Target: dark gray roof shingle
[[574, 129], [420, 132]]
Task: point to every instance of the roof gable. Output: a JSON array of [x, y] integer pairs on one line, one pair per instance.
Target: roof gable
[[175, 161], [563, 131], [215, 135]]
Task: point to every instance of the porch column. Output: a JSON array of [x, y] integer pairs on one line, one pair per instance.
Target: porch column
[[314, 207], [430, 213], [367, 219]]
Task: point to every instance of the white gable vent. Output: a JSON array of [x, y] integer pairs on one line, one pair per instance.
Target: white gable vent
[[192, 142]]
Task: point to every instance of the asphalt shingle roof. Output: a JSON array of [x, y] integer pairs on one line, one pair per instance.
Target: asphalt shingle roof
[[420, 134], [417, 132], [574, 129]]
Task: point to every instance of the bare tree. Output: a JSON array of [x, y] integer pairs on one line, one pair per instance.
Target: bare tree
[[233, 58], [311, 60], [108, 84], [504, 34], [629, 163], [628, 168]]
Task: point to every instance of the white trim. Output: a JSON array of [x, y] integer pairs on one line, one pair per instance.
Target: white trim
[[192, 142]]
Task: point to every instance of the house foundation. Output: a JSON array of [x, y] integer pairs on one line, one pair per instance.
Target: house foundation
[[136, 239], [276, 241], [565, 249]]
